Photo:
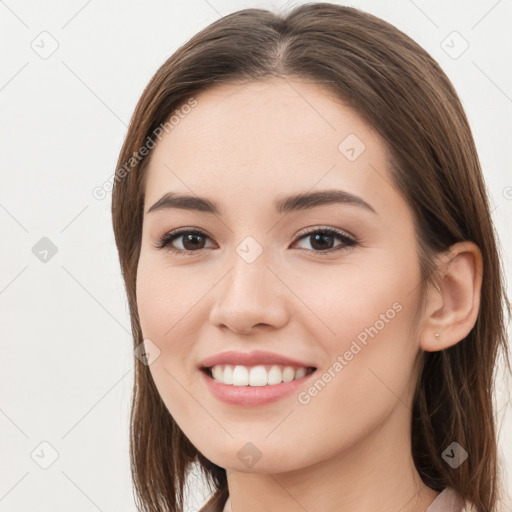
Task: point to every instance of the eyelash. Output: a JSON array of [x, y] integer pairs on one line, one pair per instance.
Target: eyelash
[[168, 238]]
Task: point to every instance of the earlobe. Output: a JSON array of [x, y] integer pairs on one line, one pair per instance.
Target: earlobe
[[452, 308]]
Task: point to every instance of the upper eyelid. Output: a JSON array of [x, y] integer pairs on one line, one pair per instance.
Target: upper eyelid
[[313, 229], [302, 232]]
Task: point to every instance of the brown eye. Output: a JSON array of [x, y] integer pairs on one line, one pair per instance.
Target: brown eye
[[191, 241], [323, 240]]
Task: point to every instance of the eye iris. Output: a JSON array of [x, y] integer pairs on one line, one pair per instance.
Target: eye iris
[[322, 238], [192, 237]]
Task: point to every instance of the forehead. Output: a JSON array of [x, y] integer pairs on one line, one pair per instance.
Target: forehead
[[248, 139]]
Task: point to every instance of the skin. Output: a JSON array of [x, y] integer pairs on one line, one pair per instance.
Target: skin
[[348, 449]]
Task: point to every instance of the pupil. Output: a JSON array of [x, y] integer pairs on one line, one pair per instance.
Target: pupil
[[323, 241]]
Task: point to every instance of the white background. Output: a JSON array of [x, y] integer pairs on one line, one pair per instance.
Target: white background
[[66, 366]]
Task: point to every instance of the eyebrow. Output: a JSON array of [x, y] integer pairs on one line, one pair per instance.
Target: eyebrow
[[303, 201]]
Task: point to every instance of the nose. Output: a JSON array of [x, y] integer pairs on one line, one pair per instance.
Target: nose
[[250, 297]]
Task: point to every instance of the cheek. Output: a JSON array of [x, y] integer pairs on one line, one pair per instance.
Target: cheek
[[165, 297], [368, 373], [165, 300], [369, 352], [169, 301], [370, 299]]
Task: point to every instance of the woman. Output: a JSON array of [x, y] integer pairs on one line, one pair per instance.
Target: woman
[[314, 286]]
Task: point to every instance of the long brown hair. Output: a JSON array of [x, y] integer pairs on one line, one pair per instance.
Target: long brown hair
[[399, 89]]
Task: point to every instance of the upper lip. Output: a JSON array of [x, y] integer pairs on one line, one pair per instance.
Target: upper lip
[[254, 358]]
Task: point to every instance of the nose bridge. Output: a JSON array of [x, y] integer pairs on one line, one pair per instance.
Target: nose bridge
[[249, 273], [249, 293]]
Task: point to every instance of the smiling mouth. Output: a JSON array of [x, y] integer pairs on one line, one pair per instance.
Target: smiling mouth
[[257, 375]]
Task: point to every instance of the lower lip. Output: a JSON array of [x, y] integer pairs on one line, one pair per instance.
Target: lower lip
[[251, 395]]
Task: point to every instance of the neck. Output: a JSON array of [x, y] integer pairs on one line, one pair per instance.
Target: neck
[[377, 473]]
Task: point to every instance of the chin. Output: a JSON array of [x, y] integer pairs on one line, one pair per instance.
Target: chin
[[259, 457]]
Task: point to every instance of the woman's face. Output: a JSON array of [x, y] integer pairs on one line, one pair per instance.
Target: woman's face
[[260, 274]]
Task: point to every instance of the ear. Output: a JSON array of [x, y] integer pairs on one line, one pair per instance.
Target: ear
[[452, 309]]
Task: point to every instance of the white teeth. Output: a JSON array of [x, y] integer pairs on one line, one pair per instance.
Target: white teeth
[[240, 376], [228, 375], [217, 373], [275, 376], [256, 375], [300, 372], [288, 374]]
